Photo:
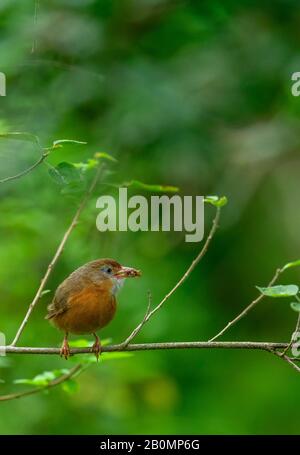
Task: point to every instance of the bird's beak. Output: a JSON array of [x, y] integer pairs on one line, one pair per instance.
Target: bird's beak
[[127, 272]]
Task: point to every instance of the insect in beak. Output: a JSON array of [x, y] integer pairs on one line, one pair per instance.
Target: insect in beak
[[127, 272]]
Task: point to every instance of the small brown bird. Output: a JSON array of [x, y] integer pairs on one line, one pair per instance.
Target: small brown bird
[[86, 300]]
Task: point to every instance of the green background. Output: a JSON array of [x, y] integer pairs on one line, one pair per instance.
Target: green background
[[187, 93]]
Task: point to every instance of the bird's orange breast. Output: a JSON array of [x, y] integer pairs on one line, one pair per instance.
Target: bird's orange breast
[[88, 310]]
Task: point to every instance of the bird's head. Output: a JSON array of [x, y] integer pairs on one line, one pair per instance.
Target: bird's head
[[112, 269], [109, 269]]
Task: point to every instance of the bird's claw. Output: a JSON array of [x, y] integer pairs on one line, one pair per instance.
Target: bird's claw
[[65, 350], [96, 348]]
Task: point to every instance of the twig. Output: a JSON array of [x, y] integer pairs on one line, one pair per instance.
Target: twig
[[13, 396], [265, 346], [292, 337], [35, 20], [286, 359], [31, 168], [295, 359], [193, 265], [140, 326], [248, 308], [56, 256]]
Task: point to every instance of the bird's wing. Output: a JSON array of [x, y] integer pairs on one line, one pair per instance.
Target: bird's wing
[[56, 307], [60, 303]]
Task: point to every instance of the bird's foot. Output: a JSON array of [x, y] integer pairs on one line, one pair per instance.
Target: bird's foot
[[65, 349], [96, 348]]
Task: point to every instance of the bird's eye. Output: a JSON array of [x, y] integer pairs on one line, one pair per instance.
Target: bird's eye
[[107, 269]]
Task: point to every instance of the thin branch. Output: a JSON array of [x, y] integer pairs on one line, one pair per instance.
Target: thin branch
[[247, 345], [57, 255], [193, 265], [141, 325], [292, 337], [286, 359], [248, 308], [35, 20], [13, 396], [265, 346], [31, 168]]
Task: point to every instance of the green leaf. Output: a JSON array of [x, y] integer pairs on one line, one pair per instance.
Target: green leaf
[[62, 142], [23, 381], [60, 372], [116, 355], [105, 356], [82, 343], [149, 187], [37, 382], [20, 136], [105, 156], [45, 292], [279, 291], [68, 172], [69, 177], [86, 359], [90, 164], [295, 306], [70, 386], [216, 200], [56, 176], [43, 379], [291, 264]]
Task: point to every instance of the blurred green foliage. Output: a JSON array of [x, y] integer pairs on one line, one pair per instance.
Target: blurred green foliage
[[190, 94]]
